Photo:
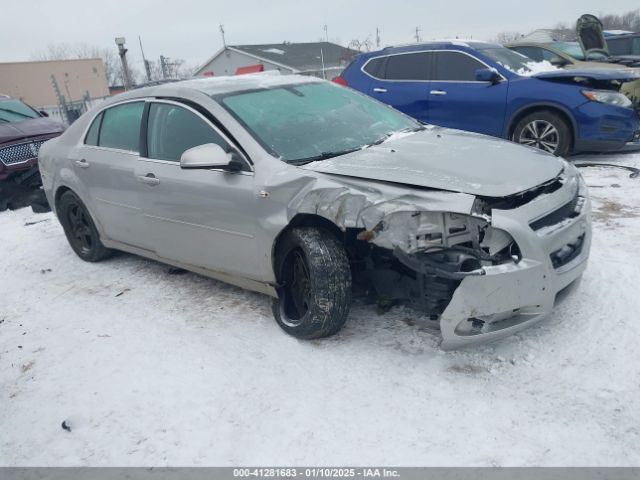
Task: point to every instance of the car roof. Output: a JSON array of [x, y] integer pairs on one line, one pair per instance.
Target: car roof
[[433, 44], [211, 86]]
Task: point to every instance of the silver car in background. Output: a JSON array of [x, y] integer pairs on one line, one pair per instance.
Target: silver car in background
[[310, 192]]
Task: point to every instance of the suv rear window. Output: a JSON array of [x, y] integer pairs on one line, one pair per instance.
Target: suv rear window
[[375, 67], [456, 66], [408, 66]]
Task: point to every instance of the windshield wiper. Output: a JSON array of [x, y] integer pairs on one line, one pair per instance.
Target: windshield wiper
[[14, 112], [323, 156], [386, 136]]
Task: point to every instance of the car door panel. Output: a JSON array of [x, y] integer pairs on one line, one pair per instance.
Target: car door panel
[[404, 84], [203, 217], [457, 100], [200, 217], [108, 176]]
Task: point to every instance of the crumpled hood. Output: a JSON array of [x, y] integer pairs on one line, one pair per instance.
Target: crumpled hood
[[36, 127], [451, 160]]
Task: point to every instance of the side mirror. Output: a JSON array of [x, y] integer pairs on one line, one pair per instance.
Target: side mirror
[[209, 155], [43, 113], [487, 75]]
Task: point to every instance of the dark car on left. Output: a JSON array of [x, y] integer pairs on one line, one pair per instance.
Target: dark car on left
[[22, 131]]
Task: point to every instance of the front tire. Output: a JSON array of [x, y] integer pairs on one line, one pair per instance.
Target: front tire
[[80, 230], [544, 130], [313, 271]]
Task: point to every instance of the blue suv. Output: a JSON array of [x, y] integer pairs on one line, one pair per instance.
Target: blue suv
[[489, 89]]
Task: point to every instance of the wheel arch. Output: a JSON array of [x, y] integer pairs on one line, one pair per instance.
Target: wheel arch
[[305, 220], [551, 107], [62, 189]]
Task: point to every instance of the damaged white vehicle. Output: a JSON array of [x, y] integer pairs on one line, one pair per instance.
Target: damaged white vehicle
[[312, 193]]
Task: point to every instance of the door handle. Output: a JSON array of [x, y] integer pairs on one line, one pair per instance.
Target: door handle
[[438, 92], [149, 179], [82, 163], [380, 90]]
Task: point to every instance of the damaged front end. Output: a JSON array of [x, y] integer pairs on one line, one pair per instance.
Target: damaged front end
[[479, 268], [421, 257]]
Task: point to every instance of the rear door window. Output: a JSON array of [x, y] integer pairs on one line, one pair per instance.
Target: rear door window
[[121, 127], [456, 67], [409, 66]]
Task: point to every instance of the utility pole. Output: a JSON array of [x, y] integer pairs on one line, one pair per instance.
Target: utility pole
[[122, 51], [147, 67], [326, 33], [224, 41], [61, 101], [377, 37], [417, 34]]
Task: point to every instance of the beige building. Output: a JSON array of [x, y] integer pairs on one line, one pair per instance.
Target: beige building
[[32, 82]]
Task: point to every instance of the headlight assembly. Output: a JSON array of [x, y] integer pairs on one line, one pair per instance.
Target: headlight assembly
[[608, 97]]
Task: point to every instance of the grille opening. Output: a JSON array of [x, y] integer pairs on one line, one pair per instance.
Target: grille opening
[[23, 152], [519, 199], [570, 209]]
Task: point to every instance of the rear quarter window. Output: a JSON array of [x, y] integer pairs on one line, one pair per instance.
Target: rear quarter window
[[375, 67], [94, 130]]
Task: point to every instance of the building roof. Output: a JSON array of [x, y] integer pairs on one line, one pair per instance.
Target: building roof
[[547, 36], [300, 57]]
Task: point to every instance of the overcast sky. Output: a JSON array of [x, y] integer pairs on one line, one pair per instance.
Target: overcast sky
[[188, 29]]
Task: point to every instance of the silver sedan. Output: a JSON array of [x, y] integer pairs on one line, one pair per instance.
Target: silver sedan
[[312, 193]]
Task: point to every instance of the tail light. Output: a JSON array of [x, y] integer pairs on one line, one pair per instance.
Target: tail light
[[340, 81]]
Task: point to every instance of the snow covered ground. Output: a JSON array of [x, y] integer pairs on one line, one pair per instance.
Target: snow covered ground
[[153, 368]]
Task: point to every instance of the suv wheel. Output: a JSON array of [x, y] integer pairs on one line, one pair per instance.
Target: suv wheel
[[544, 130], [80, 230], [313, 271]]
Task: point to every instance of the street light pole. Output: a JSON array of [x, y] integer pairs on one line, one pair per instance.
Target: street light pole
[[122, 51]]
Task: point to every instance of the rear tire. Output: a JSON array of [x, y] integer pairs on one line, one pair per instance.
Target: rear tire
[[80, 230], [315, 293], [544, 130]]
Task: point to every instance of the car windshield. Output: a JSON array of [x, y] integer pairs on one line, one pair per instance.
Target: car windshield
[[14, 111], [514, 61], [314, 121], [570, 48]]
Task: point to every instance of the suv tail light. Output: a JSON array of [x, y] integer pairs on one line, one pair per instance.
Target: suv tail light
[[340, 81]]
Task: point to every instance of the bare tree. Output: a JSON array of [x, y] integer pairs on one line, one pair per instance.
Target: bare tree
[[111, 61], [361, 45], [627, 21], [176, 68], [507, 37]]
